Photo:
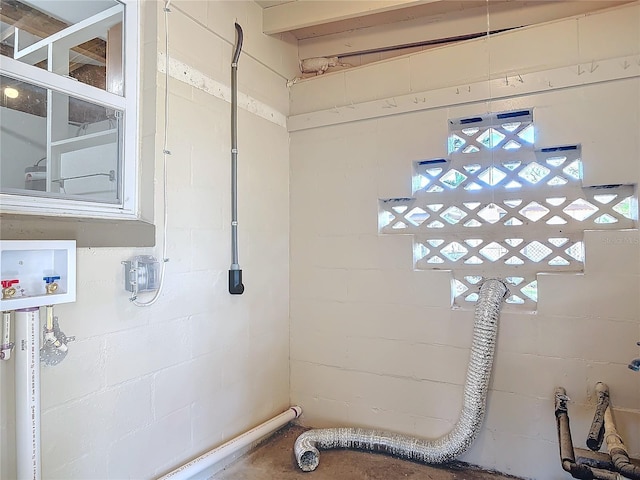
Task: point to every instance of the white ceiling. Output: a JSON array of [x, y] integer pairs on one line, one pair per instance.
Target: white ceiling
[[351, 27], [70, 11], [271, 3]]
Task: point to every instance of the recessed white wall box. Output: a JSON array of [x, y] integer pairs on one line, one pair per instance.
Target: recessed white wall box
[[34, 263]]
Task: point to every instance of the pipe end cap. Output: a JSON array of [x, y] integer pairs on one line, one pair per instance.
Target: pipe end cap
[[235, 282]]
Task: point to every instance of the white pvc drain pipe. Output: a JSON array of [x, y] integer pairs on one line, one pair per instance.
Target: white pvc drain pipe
[[27, 358], [212, 457]]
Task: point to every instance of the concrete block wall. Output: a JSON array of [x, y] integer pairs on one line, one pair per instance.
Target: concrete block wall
[[143, 390], [374, 342]]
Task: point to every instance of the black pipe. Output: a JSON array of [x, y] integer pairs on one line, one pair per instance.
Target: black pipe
[[567, 455], [593, 459], [235, 272], [564, 432], [596, 433], [622, 464]]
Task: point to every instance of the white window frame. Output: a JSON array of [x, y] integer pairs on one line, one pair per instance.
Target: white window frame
[[128, 208]]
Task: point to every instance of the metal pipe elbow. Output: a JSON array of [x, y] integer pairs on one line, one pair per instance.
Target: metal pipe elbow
[[577, 471], [305, 451], [622, 463]]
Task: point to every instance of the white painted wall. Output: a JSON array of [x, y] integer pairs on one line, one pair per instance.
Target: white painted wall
[[373, 342], [23, 140], [144, 389]]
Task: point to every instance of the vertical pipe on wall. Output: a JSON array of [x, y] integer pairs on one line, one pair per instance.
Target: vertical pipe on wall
[[617, 450], [235, 273], [27, 358], [596, 432], [567, 454]]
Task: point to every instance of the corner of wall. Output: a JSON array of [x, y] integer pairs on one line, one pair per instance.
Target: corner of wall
[[150, 13]]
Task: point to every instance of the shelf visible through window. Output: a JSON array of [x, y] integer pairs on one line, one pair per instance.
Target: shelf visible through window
[[68, 139]]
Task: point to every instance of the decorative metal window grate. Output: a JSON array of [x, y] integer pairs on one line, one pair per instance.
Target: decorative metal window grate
[[498, 207]]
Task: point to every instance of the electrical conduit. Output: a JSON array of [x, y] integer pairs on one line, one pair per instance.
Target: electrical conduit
[[464, 432], [235, 272]]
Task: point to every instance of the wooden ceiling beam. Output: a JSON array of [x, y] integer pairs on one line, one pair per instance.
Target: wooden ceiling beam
[[311, 13]]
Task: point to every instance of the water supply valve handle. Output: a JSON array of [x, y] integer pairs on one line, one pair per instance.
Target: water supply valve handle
[[50, 283], [7, 290]]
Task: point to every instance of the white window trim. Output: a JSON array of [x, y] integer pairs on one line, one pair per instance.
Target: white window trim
[[129, 208]]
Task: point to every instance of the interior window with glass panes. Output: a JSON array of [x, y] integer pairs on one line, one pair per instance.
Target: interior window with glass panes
[[65, 100]]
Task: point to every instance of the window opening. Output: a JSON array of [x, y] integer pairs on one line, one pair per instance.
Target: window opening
[[493, 210], [69, 125]]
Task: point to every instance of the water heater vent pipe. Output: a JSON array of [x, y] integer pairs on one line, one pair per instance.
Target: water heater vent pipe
[[235, 273]]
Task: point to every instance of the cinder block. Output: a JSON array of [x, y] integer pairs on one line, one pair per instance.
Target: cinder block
[[131, 353], [612, 252], [624, 389], [375, 82], [137, 454], [562, 295], [556, 44], [516, 414], [100, 418], [184, 32], [510, 375], [82, 373], [440, 363], [318, 94], [623, 29], [311, 346]]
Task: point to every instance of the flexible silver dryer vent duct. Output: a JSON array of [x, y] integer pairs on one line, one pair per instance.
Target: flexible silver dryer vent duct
[[460, 438]]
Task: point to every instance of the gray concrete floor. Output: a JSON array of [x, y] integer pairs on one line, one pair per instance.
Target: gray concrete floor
[[273, 460]]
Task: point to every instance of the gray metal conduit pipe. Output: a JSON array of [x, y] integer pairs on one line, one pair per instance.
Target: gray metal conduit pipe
[[449, 446], [235, 272]]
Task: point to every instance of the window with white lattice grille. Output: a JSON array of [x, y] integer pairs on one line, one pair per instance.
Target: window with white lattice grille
[[500, 207]]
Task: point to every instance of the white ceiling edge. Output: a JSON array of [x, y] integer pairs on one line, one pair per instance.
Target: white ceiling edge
[[71, 11]]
